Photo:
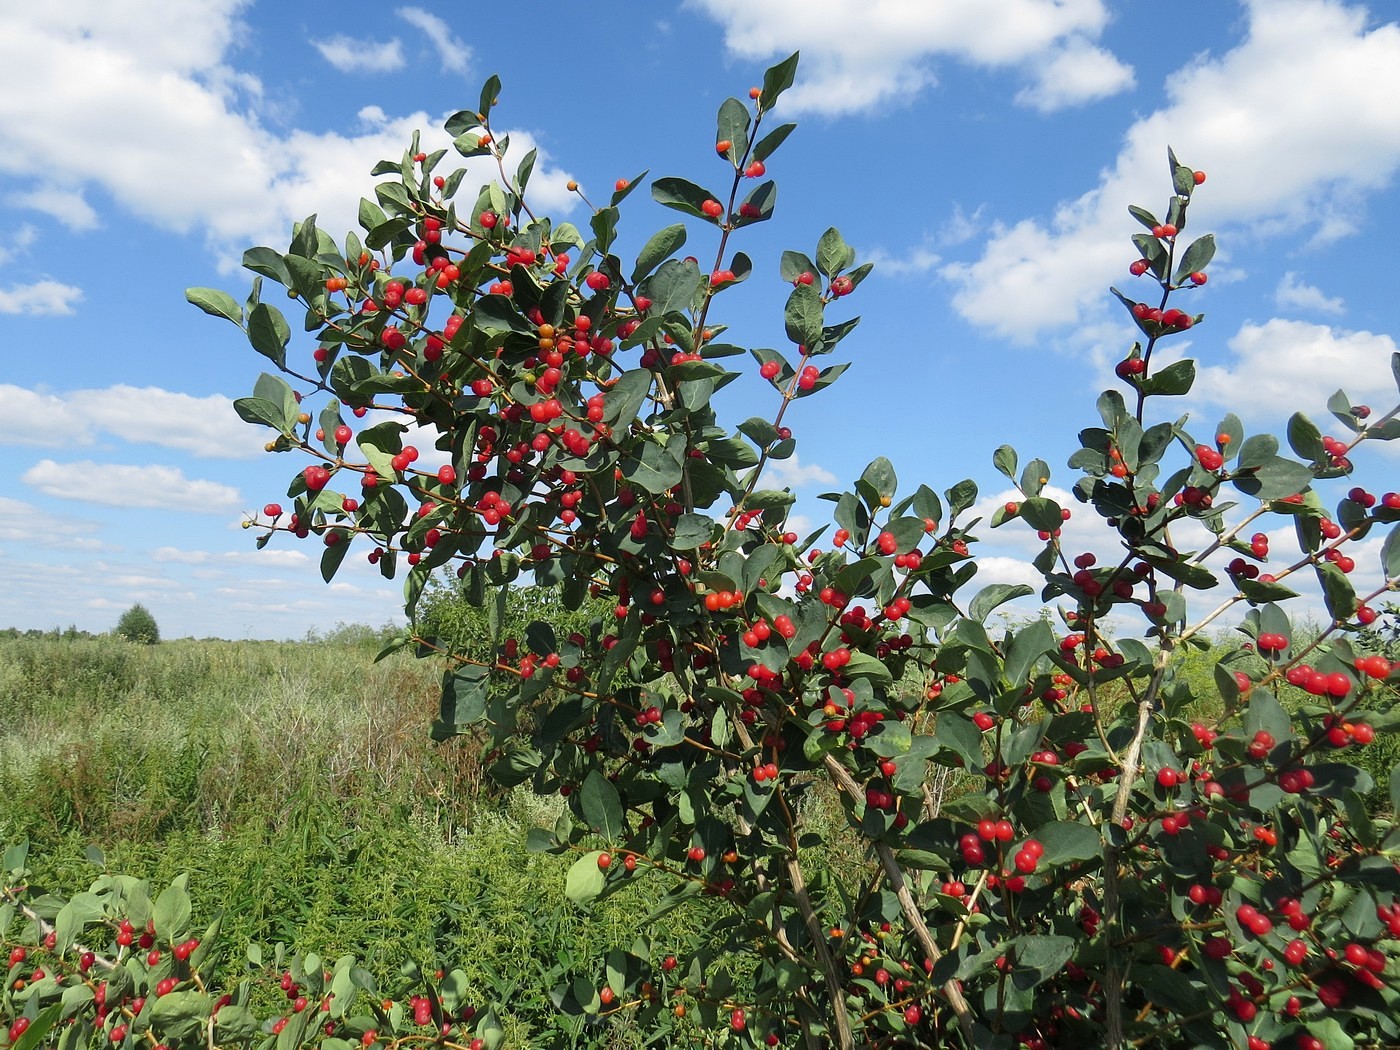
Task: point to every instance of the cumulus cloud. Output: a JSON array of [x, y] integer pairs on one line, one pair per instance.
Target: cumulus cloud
[[126, 485], [203, 426], [790, 473], [361, 56], [1254, 112], [71, 75], [452, 51], [1293, 293], [42, 298], [1296, 363], [856, 56], [909, 263], [1079, 72]]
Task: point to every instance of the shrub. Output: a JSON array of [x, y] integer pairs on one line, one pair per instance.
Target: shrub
[[138, 625]]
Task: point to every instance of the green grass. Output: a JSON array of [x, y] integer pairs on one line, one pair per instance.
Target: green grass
[[297, 785]]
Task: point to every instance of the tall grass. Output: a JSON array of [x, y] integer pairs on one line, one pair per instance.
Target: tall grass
[[297, 785]]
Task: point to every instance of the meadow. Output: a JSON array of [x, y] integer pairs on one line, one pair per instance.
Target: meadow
[[297, 784]]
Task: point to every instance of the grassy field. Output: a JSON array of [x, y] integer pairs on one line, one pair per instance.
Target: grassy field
[[298, 786]]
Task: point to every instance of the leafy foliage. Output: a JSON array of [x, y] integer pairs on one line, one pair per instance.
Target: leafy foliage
[[138, 625]]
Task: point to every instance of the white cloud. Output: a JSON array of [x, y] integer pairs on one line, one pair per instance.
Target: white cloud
[[1256, 118], [1296, 294], [1297, 364], [1080, 72], [855, 56], [905, 264], [23, 524], [455, 54], [789, 473], [204, 426], [361, 56], [125, 485], [66, 204], [43, 298], [266, 558], [20, 241], [71, 78]]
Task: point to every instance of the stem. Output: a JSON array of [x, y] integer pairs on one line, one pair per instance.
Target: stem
[[894, 874]]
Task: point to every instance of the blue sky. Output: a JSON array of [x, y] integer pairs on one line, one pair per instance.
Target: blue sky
[[980, 152]]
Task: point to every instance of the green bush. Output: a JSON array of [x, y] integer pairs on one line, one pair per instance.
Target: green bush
[[138, 625]]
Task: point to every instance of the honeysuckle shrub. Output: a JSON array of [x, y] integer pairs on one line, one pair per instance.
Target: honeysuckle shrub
[[1116, 869]]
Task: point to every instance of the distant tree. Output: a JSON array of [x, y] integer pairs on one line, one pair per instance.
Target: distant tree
[[138, 625]]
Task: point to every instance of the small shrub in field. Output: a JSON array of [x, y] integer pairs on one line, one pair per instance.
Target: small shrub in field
[[138, 625], [1138, 854]]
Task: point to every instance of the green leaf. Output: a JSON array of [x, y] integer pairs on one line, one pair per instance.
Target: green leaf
[[1256, 591], [863, 665], [602, 808], [993, 595], [657, 468], [672, 288], [333, 555], [624, 399], [685, 196], [1337, 591], [1143, 216], [1028, 646], [1173, 380], [177, 1015], [877, 482], [604, 226], [762, 197], [172, 910], [1043, 954], [490, 91], [960, 497], [585, 880], [268, 263], [764, 147], [1390, 556], [1004, 459], [1196, 258], [260, 410], [833, 253], [732, 125], [1042, 513], [1197, 576], [495, 314], [380, 444], [39, 1027], [1274, 479], [216, 303], [660, 246], [268, 333], [803, 314], [793, 265], [778, 79], [691, 531], [1066, 841], [80, 910], [1034, 477], [1305, 439]]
